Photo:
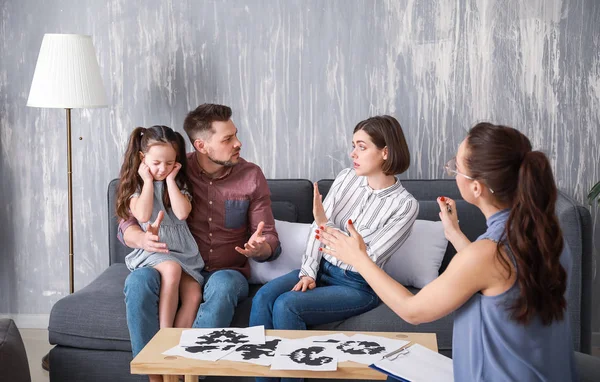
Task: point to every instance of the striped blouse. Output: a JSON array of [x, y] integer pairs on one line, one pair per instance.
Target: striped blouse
[[384, 218]]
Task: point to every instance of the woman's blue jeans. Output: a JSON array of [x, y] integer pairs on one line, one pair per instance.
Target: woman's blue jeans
[[339, 295]]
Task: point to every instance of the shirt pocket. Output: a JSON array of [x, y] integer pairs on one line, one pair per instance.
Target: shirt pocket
[[236, 213]]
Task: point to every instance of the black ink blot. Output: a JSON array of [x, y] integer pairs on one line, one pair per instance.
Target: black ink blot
[[361, 347], [255, 351], [307, 356]]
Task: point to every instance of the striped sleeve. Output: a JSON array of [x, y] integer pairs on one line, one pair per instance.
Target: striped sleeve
[[312, 255], [382, 243]]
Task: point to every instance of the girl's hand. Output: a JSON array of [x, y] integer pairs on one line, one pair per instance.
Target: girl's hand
[[448, 216], [174, 172], [349, 249], [304, 284], [318, 210], [145, 173]]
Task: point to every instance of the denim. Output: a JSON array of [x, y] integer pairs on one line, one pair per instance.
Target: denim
[[339, 295], [223, 290]]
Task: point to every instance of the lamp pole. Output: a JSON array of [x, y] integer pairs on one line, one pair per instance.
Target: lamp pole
[[70, 187]]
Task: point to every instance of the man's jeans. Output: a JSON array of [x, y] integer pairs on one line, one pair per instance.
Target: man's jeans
[[223, 290], [339, 295]]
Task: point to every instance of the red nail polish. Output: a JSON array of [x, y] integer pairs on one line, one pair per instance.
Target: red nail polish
[[321, 227], [317, 231], [320, 249], [349, 221], [317, 237], [442, 199]]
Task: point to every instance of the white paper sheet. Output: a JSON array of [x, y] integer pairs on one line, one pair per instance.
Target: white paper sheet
[[303, 355], [419, 364], [366, 349], [328, 338], [236, 336], [215, 343], [360, 348], [202, 352], [258, 354]]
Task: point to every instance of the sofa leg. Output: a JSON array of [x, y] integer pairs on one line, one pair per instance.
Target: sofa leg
[[46, 362]]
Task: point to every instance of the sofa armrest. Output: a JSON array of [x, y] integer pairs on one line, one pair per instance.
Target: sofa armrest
[[576, 224]]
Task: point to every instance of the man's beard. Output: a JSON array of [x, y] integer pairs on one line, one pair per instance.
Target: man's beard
[[225, 163]]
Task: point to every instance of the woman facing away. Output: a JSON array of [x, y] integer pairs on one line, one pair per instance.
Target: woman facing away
[[153, 183], [508, 287], [325, 289]]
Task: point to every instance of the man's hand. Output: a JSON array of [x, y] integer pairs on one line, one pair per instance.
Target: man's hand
[[256, 245], [150, 241], [304, 284], [318, 210]]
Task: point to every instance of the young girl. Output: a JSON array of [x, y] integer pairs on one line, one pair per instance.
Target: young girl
[[508, 287], [324, 289], [153, 179]]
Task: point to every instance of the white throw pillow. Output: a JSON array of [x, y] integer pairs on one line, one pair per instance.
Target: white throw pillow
[[292, 238], [417, 262]]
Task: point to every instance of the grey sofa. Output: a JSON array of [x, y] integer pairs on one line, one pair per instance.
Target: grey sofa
[[89, 327]]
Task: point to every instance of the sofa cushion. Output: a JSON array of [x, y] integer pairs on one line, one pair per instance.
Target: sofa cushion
[[417, 262], [93, 317], [285, 211], [13, 358], [298, 192], [292, 238]]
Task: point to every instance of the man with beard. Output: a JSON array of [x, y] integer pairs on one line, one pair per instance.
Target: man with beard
[[230, 201]]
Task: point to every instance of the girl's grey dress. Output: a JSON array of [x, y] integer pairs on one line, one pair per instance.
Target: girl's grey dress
[[176, 234]]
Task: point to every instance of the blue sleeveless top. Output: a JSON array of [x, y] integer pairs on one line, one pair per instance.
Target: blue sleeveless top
[[487, 345]]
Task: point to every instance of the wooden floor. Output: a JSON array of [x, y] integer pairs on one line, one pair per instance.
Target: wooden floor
[[36, 345]]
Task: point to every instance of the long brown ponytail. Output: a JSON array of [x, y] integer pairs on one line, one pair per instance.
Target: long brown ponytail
[[501, 157], [140, 140]]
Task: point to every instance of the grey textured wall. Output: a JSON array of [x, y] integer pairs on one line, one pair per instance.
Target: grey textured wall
[[299, 75]]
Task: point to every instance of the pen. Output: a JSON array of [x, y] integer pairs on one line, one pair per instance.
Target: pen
[[399, 350], [448, 208]]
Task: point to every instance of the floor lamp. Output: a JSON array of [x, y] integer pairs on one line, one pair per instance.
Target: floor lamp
[[67, 76]]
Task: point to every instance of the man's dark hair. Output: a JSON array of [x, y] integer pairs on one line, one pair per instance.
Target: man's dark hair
[[199, 120]]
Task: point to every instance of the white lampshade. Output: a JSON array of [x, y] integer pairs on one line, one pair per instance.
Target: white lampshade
[[67, 74]]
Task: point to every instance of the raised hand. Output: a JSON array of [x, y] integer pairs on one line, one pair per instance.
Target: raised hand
[[151, 242], [254, 246], [304, 284], [174, 172], [144, 172], [448, 216], [318, 210]]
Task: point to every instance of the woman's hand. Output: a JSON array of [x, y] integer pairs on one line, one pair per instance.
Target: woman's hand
[[318, 210], [351, 250], [304, 284], [448, 216]]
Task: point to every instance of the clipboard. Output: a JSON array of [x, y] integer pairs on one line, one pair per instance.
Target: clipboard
[[393, 376], [416, 364]]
